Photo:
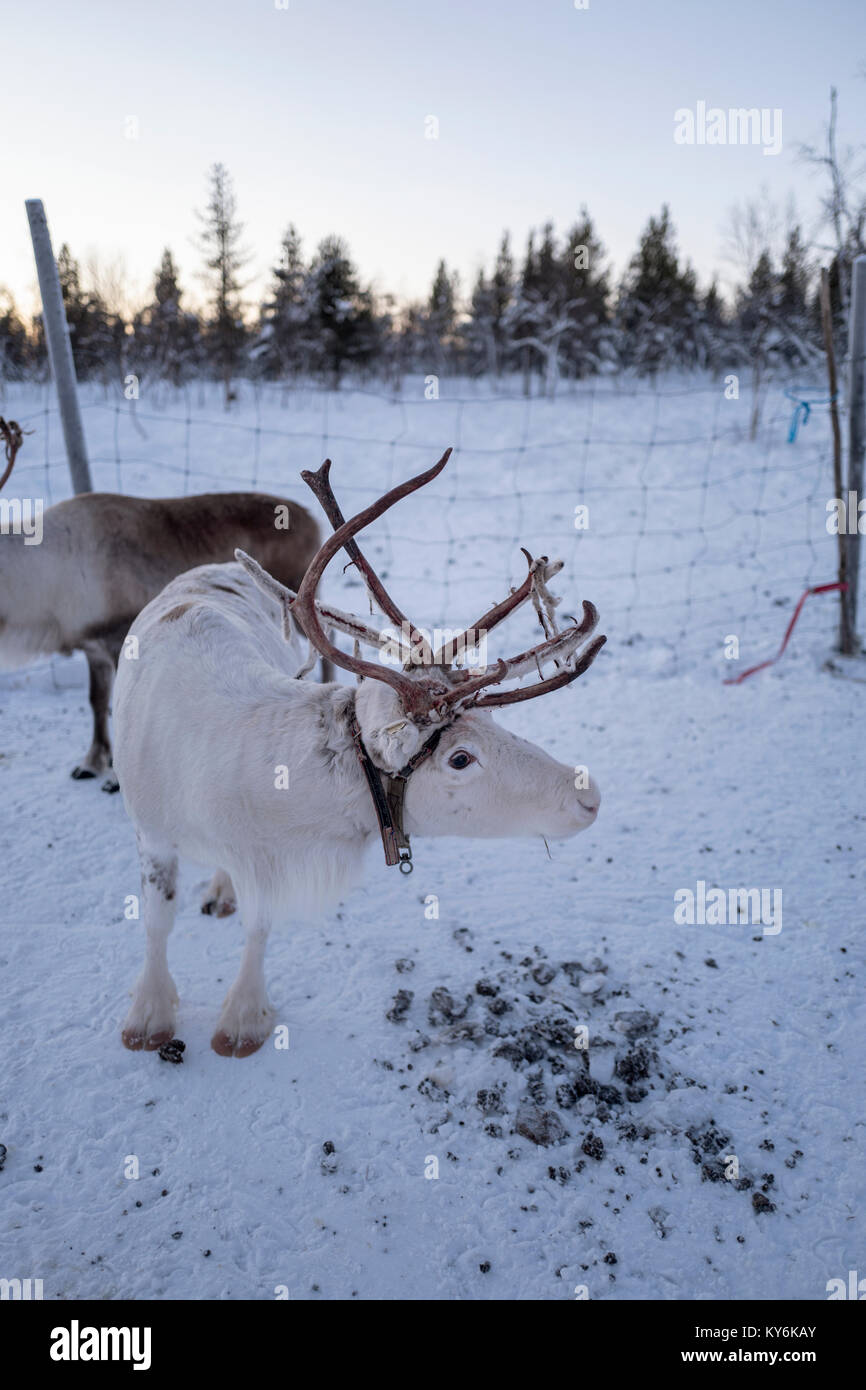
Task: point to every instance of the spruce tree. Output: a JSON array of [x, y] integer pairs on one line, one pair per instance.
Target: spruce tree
[[284, 347], [658, 308], [798, 342], [502, 291], [442, 315], [96, 332], [225, 333], [481, 346], [16, 349], [166, 336], [341, 311], [584, 285]]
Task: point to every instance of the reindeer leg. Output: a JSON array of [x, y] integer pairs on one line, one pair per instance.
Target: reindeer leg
[[151, 1019], [218, 899], [101, 665], [114, 642], [246, 1018]]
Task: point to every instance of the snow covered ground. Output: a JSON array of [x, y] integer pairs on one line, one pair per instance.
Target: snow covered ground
[[399, 1157]]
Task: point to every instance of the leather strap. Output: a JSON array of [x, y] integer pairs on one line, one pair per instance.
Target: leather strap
[[388, 793]]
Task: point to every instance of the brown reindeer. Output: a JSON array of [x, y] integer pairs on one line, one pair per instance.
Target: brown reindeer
[[78, 579]]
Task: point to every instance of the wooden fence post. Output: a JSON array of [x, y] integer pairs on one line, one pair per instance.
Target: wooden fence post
[[856, 445]]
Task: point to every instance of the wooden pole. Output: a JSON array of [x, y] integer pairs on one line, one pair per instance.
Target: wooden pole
[[856, 438], [845, 634], [59, 346]]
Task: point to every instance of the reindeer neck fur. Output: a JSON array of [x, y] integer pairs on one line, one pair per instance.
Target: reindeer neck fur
[[289, 811]]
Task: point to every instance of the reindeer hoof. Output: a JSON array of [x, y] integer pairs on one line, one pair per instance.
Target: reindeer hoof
[[111, 784], [149, 1042], [219, 907], [149, 1025], [228, 1046], [218, 899], [82, 773]]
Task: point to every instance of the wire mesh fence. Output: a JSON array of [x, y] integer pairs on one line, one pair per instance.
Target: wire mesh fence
[[682, 529]]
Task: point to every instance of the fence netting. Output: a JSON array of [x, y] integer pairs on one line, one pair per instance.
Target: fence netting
[[681, 528]]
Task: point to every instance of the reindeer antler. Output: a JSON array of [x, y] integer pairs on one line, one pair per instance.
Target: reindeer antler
[[320, 484], [499, 611], [13, 437], [559, 647], [446, 691], [419, 695]]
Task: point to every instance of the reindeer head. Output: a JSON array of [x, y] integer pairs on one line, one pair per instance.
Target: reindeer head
[[430, 719]]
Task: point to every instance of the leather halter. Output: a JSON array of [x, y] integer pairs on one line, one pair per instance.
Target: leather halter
[[388, 792]]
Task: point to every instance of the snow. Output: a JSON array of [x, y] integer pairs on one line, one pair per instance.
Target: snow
[[751, 1040]]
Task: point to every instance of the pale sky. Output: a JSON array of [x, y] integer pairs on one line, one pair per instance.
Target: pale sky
[[319, 111]]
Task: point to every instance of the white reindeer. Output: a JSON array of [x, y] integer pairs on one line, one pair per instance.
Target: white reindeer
[[103, 556], [224, 755]]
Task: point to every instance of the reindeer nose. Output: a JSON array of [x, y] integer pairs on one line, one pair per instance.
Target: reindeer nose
[[590, 799]]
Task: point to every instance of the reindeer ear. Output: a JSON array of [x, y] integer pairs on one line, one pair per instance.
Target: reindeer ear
[[389, 735], [273, 588]]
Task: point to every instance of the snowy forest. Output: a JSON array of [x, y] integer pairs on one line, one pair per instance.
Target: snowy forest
[[549, 311]]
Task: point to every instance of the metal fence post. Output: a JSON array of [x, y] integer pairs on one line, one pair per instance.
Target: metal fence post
[[59, 346]]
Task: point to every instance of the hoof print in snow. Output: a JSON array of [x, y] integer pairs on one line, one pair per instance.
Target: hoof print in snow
[[3, 1153], [172, 1051]]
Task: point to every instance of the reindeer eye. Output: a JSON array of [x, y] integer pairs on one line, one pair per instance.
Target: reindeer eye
[[460, 759]]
